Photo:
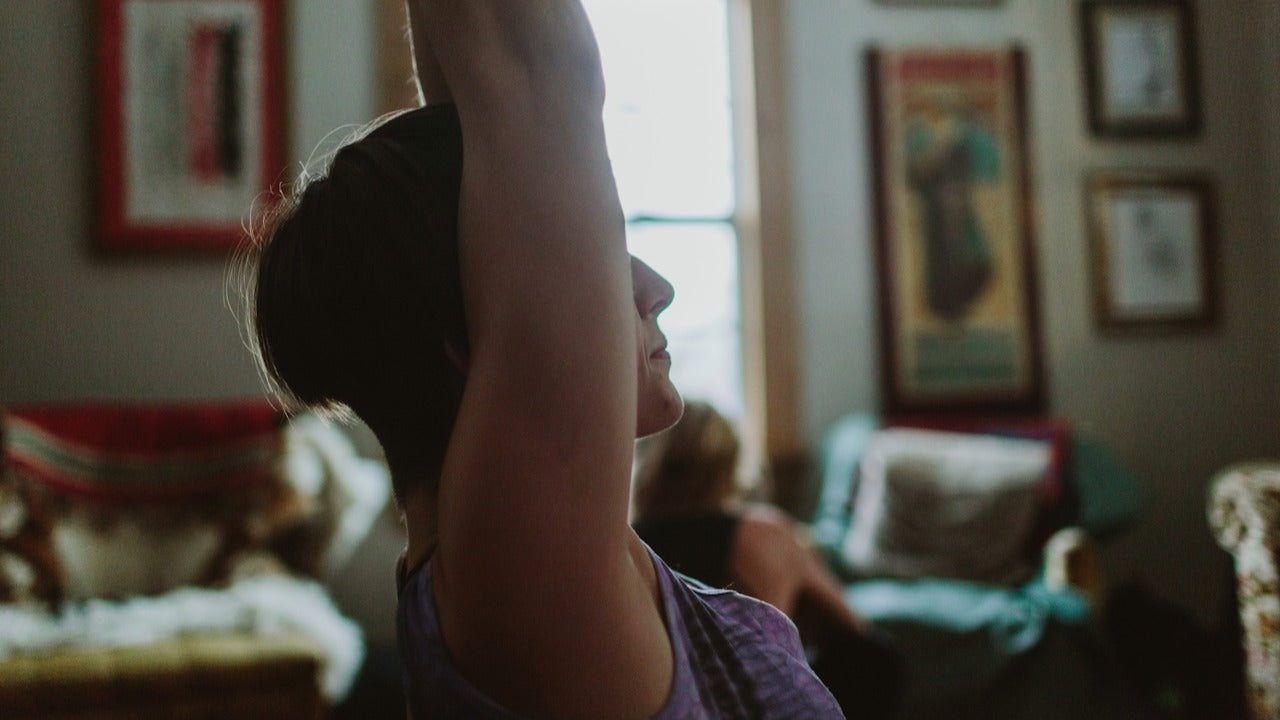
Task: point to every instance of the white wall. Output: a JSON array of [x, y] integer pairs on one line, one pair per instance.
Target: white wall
[[1269, 63], [1174, 408]]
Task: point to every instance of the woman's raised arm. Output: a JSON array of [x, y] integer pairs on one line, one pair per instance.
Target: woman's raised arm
[[541, 601]]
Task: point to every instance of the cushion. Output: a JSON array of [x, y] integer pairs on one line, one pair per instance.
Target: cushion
[[1059, 500], [946, 505]]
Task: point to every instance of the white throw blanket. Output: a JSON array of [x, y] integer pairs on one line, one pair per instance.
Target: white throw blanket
[[261, 603]]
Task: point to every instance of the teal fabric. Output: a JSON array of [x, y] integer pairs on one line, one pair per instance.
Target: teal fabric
[[1108, 497], [1015, 616], [994, 653], [841, 452]]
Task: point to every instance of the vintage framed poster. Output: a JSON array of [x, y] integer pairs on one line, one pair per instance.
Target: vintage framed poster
[[958, 303], [1140, 68], [190, 133], [1153, 251]]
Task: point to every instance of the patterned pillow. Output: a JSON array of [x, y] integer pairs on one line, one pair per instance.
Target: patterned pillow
[[946, 505]]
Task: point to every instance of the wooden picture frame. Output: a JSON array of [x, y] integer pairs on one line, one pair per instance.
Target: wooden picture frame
[[1153, 251], [959, 328], [1141, 68], [190, 120]]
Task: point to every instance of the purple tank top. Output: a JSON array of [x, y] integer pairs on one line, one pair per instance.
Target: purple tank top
[[735, 657]]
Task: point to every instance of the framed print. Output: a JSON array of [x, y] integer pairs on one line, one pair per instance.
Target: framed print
[[1152, 251], [955, 265], [190, 127], [1140, 68]]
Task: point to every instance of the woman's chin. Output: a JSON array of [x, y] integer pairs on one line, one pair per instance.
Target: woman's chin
[[660, 413]]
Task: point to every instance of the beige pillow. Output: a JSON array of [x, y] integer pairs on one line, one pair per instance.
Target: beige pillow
[[932, 504]]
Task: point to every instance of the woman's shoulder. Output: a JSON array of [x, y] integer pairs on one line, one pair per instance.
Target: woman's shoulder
[[764, 530], [736, 656], [764, 514]]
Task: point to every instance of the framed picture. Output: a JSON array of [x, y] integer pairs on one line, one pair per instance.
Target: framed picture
[[956, 273], [1140, 68], [190, 131], [1153, 252]]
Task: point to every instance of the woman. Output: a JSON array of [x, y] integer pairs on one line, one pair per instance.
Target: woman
[[688, 503], [689, 508], [459, 279]]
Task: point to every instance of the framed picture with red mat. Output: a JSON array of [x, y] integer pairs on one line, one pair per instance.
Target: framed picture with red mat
[[190, 127]]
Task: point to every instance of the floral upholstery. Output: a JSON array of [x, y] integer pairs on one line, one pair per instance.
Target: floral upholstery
[[1244, 512]]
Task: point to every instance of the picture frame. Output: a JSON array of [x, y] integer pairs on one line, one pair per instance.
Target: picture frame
[[1141, 68], [1153, 250], [190, 120], [955, 262]]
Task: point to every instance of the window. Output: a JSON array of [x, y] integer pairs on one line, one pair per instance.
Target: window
[[668, 120]]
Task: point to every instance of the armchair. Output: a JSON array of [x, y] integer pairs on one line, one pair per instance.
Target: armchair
[[1244, 514], [1004, 627]]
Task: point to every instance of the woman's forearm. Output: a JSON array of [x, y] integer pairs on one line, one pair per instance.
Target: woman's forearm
[[483, 47], [545, 272]]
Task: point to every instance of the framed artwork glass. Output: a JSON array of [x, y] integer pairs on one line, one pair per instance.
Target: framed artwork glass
[[958, 304], [1140, 68], [190, 127], [1153, 250]]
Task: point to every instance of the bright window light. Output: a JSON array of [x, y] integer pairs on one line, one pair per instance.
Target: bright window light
[[667, 119]]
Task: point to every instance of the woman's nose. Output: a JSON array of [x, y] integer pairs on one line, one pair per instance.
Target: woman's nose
[[653, 293]]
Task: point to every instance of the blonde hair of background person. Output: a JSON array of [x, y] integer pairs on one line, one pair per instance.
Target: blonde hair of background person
[[459, 279], [690, 467], [693, 467]]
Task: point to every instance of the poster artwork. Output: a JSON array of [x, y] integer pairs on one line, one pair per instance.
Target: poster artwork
[[954, 244]]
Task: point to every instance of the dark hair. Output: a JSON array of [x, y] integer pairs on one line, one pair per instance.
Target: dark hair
[[690, 467], [357, 291]]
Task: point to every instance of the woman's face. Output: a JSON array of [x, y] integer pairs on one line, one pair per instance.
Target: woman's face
[[659, 405]]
